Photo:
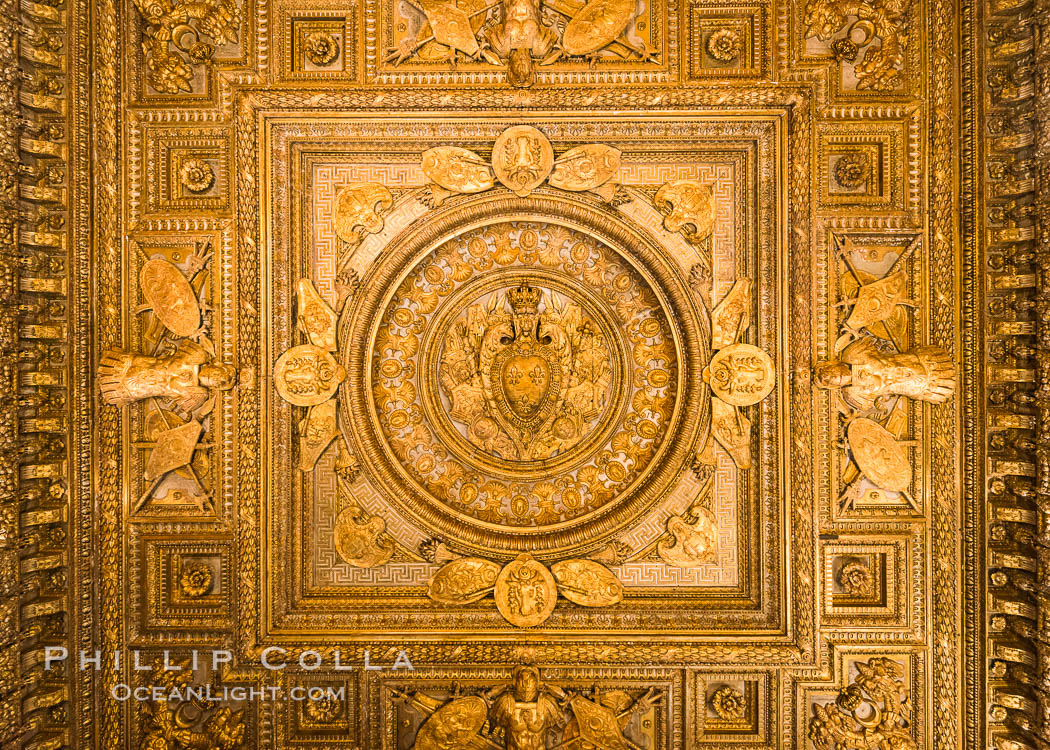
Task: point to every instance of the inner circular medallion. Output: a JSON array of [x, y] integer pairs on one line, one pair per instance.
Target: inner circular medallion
[[524, 371]]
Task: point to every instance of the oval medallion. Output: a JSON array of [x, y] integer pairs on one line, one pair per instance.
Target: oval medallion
[[526, 592], [463, 581], [522, 157], [307, 375], [595, 25], [587, 583], [741, 374]]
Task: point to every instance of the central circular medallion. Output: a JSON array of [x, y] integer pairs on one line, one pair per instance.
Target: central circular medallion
[[525, 385]]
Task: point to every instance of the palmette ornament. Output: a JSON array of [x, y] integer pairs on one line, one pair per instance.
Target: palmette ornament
[[463, 581], [587, 583], [526, 592]]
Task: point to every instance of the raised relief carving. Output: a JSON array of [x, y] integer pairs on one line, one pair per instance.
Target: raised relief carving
[[872, 712], [688, 207], [871, 375], [522, 159], [529, 368], [522, 34], [883, 21], [525, 384], [526, 592], [176, 723], [689, 544], [526, 712], [868, 377], [359, 211], [179, 385], [174, 38], [361, 542], [308, 374], [183, 379]]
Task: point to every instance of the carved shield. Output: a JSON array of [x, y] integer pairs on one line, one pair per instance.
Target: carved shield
[[170, 295], [587, 583], [453, 726], [174, 449], [596, 24], [879, 455], [876, 302], [526, 592], [457, 169], [585, 167], [526, 380], [451, 26], [597, 725], [463, 581]]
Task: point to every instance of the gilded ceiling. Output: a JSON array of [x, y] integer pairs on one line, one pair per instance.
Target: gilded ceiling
[[524, 374]]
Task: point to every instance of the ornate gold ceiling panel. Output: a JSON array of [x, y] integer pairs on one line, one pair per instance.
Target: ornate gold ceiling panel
[[523, 374]]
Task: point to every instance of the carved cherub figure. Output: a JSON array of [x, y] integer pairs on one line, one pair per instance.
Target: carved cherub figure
[[868, 376], [183, 377]]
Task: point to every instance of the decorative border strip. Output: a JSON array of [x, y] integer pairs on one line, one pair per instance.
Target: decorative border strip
[[35, 489], [1016, 201]]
